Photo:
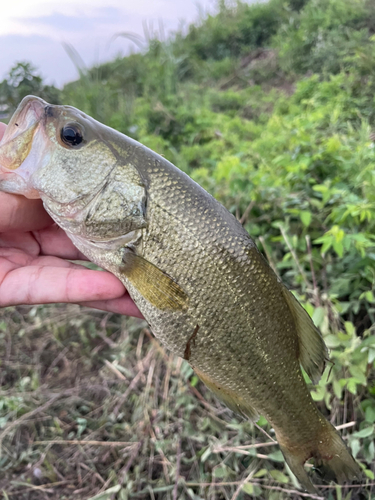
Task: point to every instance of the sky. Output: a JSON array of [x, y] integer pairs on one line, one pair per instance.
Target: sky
[[35, 30]]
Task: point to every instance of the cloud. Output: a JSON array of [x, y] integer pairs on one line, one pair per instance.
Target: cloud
[[47, 55], [77, 23], [61, 22], [108, 14]]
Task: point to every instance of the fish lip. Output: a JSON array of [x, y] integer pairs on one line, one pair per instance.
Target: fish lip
[[18, 137], [29, 112], [17, 143]]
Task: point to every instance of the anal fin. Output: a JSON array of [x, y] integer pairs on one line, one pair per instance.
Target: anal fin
[[232, 400]]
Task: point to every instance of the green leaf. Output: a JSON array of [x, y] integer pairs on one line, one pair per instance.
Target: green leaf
[[221, 472], [358, 374], [355, 445], [261, 473], [332, 341], [305, 217], [279, 476], [320, 188], [366, 432], [337, 389], [318, 316], [277, 456], [352, 385], [369, 474], [370, 452], [262, 421], [333, 144], [248, 488], [338, 248], [370, 414], [206, 454], [319, 393], [350, 328], [371, 355]]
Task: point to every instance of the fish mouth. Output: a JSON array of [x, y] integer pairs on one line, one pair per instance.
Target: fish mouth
[[16, 145], [17, 141]]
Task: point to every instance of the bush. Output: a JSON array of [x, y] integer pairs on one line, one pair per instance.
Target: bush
[[323, 36], [23, 80], [235, 31]]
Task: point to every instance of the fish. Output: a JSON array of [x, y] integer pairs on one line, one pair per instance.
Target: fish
[[195, 274]]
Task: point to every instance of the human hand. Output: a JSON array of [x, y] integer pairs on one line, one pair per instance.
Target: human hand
[[33, 265]]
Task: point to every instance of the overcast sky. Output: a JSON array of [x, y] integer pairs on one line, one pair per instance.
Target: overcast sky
[[33, 30]]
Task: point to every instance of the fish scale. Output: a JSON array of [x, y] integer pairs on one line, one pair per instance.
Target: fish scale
[[194, 272], [231, 281]]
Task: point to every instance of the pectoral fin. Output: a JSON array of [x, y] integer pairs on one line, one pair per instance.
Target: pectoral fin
[[312, 350], [152, 283], [234, 402]]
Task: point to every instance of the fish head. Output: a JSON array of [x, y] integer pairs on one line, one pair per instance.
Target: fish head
[[52, 151], [69, 160]]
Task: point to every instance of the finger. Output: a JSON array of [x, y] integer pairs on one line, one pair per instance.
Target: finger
[[54, 241], [17, 213], [2, 129], [50, 241], [122, 305], [13, 258], [44, 285], [24, 242]]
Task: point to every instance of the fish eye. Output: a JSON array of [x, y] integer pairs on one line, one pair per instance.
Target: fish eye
[[72, 135]]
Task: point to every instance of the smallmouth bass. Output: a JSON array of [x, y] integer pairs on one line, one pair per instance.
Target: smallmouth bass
[[195, 274]]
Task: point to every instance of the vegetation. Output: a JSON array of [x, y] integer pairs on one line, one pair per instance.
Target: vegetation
[[270, 107], [21, 81]]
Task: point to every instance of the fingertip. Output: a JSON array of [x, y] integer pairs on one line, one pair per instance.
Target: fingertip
[[2, 129], [95, 285], [51, 284], [123, 305]]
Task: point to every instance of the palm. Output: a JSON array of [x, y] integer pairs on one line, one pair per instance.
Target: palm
[[35, 263]]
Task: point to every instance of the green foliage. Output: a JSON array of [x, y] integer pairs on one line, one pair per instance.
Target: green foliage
[[234, 31], [21, 81], [325, 35], [293, 158]]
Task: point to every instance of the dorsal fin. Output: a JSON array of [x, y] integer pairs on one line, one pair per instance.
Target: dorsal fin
[[313, 352], [234, 402]]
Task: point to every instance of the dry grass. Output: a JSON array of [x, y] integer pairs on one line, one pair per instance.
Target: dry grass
[[91, 404]]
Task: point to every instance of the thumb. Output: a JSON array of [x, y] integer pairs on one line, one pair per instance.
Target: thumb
[[2, 129]]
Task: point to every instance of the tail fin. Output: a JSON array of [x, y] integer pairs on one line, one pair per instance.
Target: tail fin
[[332, 459]]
